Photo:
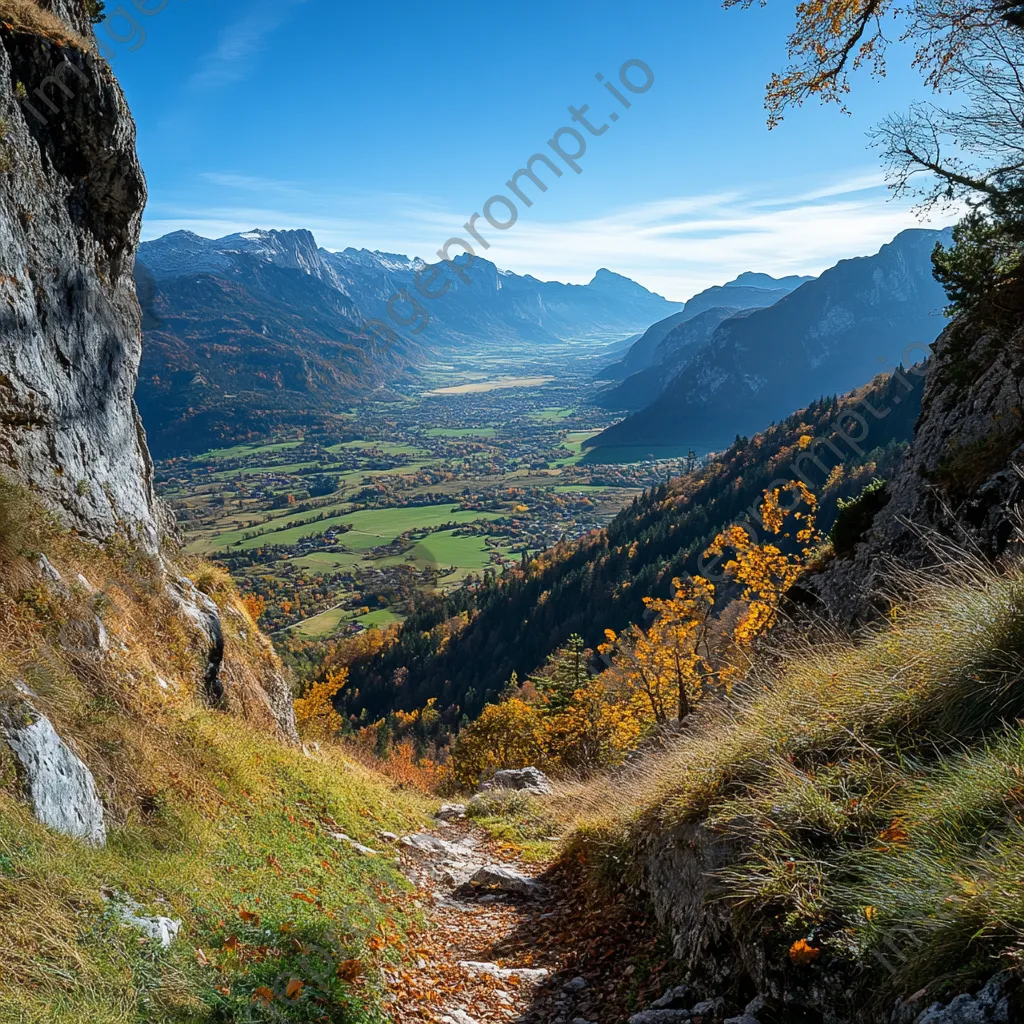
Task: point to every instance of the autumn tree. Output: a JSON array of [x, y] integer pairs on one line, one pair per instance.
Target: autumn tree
[[763, 568], [506, 735], [315, 713], [667, 665]]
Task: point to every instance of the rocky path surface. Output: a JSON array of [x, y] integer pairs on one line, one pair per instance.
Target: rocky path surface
[[504, 943], [477, 899]]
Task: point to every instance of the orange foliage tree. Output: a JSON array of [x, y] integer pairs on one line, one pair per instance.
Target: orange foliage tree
[[315, 714], [667, 665], [832, 38], [506, 735]]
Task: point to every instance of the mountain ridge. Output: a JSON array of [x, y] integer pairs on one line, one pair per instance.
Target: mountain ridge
[[860, 315]]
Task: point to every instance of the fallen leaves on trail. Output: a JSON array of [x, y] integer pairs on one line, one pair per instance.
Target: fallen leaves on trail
[[572, 933]]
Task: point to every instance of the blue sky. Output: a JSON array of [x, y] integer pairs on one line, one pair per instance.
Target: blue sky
[[386, 125]]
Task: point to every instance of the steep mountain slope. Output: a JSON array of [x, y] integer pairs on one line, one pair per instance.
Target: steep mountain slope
[[248, 334], [670, 356], [748, 291], [512, 624], [826, 336], [842, 836], [960, 486], [161, 832], [69, 320]]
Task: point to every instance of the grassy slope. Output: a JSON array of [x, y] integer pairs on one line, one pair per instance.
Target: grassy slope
[[211, 819], [873, 789]]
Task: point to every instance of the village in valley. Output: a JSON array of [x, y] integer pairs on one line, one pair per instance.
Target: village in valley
[[338, 527]]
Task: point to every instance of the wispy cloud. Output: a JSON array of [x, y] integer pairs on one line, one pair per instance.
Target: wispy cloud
[[676, 245], [239, 42]]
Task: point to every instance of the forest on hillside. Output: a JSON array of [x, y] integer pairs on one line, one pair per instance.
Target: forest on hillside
[[461, 650]]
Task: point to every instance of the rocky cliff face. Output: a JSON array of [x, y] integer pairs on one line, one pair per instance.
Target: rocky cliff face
[[71, 199], [959, 487]]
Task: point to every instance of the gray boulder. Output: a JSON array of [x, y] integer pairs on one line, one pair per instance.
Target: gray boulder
[[58, 784], [525, 780], [495, 876], [451, 812], [677, 998]]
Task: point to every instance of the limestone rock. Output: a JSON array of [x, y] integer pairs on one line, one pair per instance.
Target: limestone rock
[[70, 214], [451, 812], [57, 782], [457, 1017], [676, 998], [349, 841], [495, 876], [526, 780], [533, 975], [202, 612], [956, 485], [162, 930]]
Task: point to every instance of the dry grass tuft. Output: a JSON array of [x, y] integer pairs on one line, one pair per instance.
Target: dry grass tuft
[[868, 784], [210, 819], [28, 16]]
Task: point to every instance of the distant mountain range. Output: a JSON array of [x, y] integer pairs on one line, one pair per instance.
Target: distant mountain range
[[723, 373], [257, 329], [659, 353]]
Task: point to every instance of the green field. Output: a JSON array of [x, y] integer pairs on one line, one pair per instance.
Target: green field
[[553, 415], [461, 432], [370, 528], [574, 442], [241, 451], [327, 622]]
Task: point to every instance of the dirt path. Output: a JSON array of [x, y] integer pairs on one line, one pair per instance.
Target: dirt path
[[541, 954]]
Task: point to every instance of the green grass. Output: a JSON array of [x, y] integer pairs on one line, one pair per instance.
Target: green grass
[[461, 432], [240, 451], [552, 415], [211, 820], [329, 621], [866, 788]]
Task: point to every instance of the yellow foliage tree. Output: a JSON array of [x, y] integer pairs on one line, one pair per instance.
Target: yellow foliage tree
[[667, 666], [596, 729], [764, 569], [315, 715], [506, 735]]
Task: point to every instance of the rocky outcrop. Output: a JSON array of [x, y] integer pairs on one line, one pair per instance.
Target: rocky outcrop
[[58, 784], [524, 780], [71, 200], [958, 487]]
